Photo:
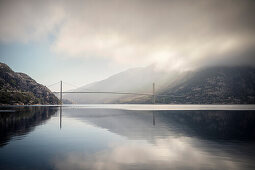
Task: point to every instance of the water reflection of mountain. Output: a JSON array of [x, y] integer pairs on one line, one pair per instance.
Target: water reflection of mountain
[[22, 121], [223, 125], [131, 124]]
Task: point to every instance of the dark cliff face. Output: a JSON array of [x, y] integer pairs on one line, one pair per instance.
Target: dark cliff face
[[217, 85], [19, 88]]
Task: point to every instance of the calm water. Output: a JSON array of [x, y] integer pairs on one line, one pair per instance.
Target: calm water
[[113, 138]]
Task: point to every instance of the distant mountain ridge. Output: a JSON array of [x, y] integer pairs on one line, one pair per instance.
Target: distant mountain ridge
[[19, 89], [131, 80], [214, 85]]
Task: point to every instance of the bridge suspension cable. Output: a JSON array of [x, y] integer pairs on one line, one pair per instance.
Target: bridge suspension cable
[[53, 84], [70, 84], [153, 94], [107, 92]]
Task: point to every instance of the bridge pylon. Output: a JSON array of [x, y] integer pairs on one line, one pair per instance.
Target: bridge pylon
[[61, 91], [153, 93]]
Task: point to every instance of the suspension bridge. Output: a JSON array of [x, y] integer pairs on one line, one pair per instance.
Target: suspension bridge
[[89, 91]]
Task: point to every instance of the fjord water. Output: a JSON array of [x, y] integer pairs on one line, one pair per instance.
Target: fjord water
[[75, 137]]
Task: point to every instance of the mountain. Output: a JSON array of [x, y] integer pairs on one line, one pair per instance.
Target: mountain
[[19, 89], [132, 80], [213, 85]]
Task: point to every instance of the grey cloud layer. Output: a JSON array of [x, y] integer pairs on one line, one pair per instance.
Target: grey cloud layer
[[173, 34]]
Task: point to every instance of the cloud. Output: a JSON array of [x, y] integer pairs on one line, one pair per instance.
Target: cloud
[[26, 20], [173, 34]]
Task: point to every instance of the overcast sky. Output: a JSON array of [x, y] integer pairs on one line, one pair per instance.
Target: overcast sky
[[80, 41]]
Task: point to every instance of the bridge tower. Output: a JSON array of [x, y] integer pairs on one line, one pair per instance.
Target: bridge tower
[[61, 101], [153, 93]]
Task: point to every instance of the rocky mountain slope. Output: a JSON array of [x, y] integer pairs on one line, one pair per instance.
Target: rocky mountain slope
[[19, 89], [215, 85]]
